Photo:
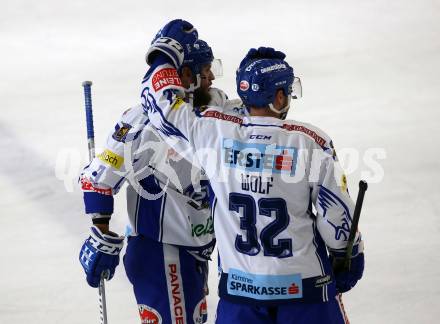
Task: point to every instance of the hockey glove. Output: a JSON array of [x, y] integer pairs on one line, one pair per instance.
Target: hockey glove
[[100, 253], [347, 278], [170, 41], [261, 53]]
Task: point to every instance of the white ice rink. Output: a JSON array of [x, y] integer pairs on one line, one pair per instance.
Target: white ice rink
[[371, 78]]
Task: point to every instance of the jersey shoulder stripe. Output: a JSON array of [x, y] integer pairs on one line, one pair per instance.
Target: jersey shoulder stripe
[[313, 132], [211, 113]]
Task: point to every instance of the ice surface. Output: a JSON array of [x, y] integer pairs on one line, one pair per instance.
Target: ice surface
[[370, 72]]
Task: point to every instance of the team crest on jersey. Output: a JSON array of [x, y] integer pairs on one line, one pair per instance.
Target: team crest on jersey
[[257, 157], [120, 134], [149, 315], [201, 312], [328, 201]]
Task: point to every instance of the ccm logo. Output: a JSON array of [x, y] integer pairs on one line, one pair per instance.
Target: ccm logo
[[263, 137]]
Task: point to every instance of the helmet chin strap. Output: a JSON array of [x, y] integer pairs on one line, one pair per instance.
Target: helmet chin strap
[[283, 111], [192, 87]]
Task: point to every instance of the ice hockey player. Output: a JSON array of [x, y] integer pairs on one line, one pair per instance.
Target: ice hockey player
[[168, 208], [282, 210]]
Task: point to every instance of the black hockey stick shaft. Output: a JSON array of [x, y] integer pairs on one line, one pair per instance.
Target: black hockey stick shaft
[[363, 186]]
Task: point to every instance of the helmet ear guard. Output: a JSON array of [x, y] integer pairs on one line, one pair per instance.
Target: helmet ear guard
[[296, 93], [296, 88]]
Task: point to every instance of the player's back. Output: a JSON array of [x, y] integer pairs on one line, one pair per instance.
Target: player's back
[[270, 172], [266, 174]]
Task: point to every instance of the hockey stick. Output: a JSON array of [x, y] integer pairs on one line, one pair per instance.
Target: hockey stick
[[343, 264], [91, 144], [363, 186]]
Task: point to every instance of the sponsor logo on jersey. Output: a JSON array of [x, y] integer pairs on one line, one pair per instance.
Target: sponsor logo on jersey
[[244, 85], [112, 159], [343, 183], [198, 230], [120, 134], [164, 78], [176, 292], [334, 155], [222, 116], [255, 157], [201, 312], [298, 128], [149, 315], [255, 87], [260, 137], [88, 186], [264, 287], [177, 103]]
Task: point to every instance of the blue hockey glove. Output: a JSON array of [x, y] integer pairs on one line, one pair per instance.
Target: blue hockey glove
[[170, 41], [347, 278], [261, 53], [100, 253]]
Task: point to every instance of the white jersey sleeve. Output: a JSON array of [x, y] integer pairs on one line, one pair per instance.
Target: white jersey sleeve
[[267, 175], [167, 198]]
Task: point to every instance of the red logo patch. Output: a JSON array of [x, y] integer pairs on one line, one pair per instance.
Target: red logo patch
[[87, 186], [244, 85], [149, 315], [201, 312], [293, 289], [284, 162], [165, 77]]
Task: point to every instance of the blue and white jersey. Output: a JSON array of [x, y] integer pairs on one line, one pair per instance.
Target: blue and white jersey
[[167, 197], [281, 196]]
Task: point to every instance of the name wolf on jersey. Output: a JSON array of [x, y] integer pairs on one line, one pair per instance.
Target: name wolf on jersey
[[257, 184], [255, 157]]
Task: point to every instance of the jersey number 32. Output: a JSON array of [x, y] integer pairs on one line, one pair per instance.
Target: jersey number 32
[[266, 207]]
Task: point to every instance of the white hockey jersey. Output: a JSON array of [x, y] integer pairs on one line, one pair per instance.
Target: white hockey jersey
[[167, 197], [268, 176]]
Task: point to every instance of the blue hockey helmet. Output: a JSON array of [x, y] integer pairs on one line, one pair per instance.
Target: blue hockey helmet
[[197, 55], [259, 79]]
